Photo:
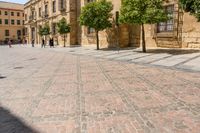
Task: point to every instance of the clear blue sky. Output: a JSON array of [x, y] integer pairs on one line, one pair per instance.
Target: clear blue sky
[[16, 1]]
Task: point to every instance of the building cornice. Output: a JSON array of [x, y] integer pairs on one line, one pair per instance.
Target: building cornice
[[46, 19], [11, 9], [30, 3]]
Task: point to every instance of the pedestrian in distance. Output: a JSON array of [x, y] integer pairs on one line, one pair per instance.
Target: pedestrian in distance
[[9, 44], [43, 43], [51, 42], [33, 42]]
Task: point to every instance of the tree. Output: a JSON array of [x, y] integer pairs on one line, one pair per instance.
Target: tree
[[44, 31], [142, 12], [63, 28], [97, 15], [192, 6]]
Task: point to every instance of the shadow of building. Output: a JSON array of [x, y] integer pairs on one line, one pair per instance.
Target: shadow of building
[[9, 123]]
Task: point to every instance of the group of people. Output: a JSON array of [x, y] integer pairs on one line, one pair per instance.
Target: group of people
[[51, 43]]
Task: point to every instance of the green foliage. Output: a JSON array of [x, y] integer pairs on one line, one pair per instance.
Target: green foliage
[[40, 31], [46, 29], [97, 15], [192, 6], [43, 31], [63, 26], [142, 11]]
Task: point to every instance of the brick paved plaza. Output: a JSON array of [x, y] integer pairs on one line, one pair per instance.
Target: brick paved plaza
[[53, 91]]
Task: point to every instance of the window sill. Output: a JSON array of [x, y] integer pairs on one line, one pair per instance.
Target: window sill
[[90, 35], [165, 34]]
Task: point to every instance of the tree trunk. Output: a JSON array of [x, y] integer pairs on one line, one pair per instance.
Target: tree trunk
[[97, 37], [143, 40], [64, 41]]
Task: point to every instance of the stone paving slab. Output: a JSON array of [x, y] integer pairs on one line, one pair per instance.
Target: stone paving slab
[[174, 60], [151, 58], [118, 55], [59, 92], [102, 54], [131, 57], [191, 65]]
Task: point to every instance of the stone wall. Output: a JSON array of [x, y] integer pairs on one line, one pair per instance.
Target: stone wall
[[112, 37], [190, 35], [191, 31]]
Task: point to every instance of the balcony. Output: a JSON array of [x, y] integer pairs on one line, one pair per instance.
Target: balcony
[[46, 15], [62, 8], [31, 18]]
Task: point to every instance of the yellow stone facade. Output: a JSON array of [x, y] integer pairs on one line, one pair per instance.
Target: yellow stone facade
[[11, 22], [39, 12], [181, 31]]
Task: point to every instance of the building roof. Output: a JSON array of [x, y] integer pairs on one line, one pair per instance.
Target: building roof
[[9, 5]]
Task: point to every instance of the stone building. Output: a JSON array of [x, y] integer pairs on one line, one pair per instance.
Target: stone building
[[39, 12], [11, 22], [181, 31]]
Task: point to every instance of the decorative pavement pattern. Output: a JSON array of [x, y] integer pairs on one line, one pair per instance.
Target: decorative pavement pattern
[[52, 91]]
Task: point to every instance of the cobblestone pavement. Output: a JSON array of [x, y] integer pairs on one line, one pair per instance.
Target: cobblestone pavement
[[49, 91]]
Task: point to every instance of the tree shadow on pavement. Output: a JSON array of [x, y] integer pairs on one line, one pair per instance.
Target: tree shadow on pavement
[[172, 51], [10, 123], [116, 49]]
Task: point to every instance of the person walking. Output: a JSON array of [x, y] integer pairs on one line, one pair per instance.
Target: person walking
[[9, 44], [52, 41], [33, 42], [43, 43]]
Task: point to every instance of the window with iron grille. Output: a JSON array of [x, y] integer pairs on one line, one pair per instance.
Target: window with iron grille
[[90, 30], [167, 26], [12, 21], [6, 21], [12, 13], [7, 33], [19, 32], [46, 10], [18, 22], [54, 6], [18, 13], [40, 12], [61, 5]]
